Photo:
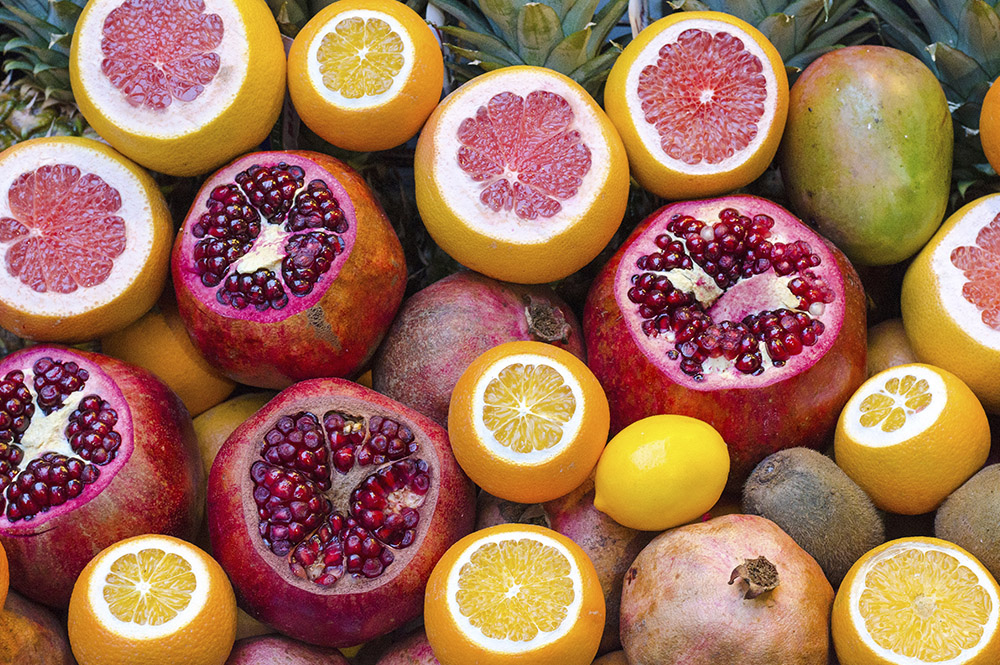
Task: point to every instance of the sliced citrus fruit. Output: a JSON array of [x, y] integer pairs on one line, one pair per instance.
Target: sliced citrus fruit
[[152, 599], [910, 436], [180, 86], [521, 176], [951, 299], [661, 472], [700, 100], [365, 74], [528, 421], [84, 238], [917, 600], [514, 594]]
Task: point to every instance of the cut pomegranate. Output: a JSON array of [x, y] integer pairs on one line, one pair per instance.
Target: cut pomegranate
[[287, 269], [732, 311], [330, 507], [72, 422]]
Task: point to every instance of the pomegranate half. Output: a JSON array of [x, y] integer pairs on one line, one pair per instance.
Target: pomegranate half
[[92, 450], [732, 311], [287, 268], [329, 507]]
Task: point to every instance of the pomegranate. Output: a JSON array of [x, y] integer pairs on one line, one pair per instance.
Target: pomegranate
[[275, 649], [440, 330], [31, 635], [735, 590], [286, 268], [732, 311], [414, 649], [92, 450], [329, 507], [610, 546]]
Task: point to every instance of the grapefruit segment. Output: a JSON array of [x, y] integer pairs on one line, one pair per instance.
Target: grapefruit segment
[[981, 265]]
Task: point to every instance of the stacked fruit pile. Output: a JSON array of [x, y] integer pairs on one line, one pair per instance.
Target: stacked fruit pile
[[332, 337]]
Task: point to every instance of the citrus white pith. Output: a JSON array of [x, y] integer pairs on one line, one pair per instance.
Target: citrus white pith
[[551, 549]]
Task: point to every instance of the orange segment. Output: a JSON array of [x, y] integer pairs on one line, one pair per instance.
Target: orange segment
[[514, 594], [528, 421], [910, 436], [700, 100], [365, 74], [917, 600]]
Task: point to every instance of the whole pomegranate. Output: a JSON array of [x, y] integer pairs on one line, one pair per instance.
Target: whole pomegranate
[[286, 268], [441, 329], [31, 635], [732, 311], [610, 546], [329, 507], [280, 650], [92, 450], [735, 590], [414, 649]]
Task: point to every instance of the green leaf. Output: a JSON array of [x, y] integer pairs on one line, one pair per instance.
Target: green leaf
[[484, 60], [604, 22], [957, 71], [780, 31], [836, 34], [570, 53], [979, 35], [593, 72], [938, 27], [503, 14], [953, 9], [472, 19], [579, 16], [483, 42], [538, 31]]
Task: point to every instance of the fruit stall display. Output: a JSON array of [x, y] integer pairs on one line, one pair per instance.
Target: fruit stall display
[[611, 332]]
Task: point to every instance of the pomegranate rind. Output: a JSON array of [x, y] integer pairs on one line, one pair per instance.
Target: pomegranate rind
[[159, 490], [352, 610], [500, 244], [337, 334], [194, 137], [648, 163], [800, 410], [269, 649], [944, 328], [31, 635], [139, 273]]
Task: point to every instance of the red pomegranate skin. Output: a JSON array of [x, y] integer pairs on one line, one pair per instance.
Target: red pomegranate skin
[[31, 635], [159, 490], [441, 329], [799, 411], [303, 610], [279, 650], [335, 337], [610, 546], [678, 606], [413, 650]]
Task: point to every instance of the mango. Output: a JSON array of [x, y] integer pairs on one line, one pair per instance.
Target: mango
[[867, 152]]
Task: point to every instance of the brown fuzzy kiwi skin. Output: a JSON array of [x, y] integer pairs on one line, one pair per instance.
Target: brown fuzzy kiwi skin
[[818, 505], [968, 517]]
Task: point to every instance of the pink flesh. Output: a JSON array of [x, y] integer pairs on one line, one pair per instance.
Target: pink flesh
[[981, 265], [525, 153], [64, 233], [705, 96], [97, 383], [736, 301], [156, 51], [207, 295]]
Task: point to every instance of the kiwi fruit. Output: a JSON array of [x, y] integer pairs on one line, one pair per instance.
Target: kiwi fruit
[[813, 501], [968, 517]]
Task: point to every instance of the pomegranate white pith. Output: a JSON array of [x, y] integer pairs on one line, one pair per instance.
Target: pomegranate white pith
[[179, 117], [45, 176]]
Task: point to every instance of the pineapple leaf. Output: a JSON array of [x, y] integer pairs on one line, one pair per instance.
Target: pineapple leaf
[[902, 32], [570, 53], [538, 32], [952, 10], [979, 35], [689, 5], [503, 16], [64, 14], [593, 72], [938, 27], [958, 71], [834, 36], [780, 31], [465, 14], [485, 43], [579, 16], [604, 22], [485, 60]]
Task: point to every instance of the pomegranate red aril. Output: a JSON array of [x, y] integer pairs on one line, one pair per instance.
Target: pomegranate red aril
[[332, 540], [286, 268], [765, 318], [88, 443]]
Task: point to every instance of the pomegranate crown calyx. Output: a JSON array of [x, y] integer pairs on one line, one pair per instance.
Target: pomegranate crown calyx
[[760, 576]]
